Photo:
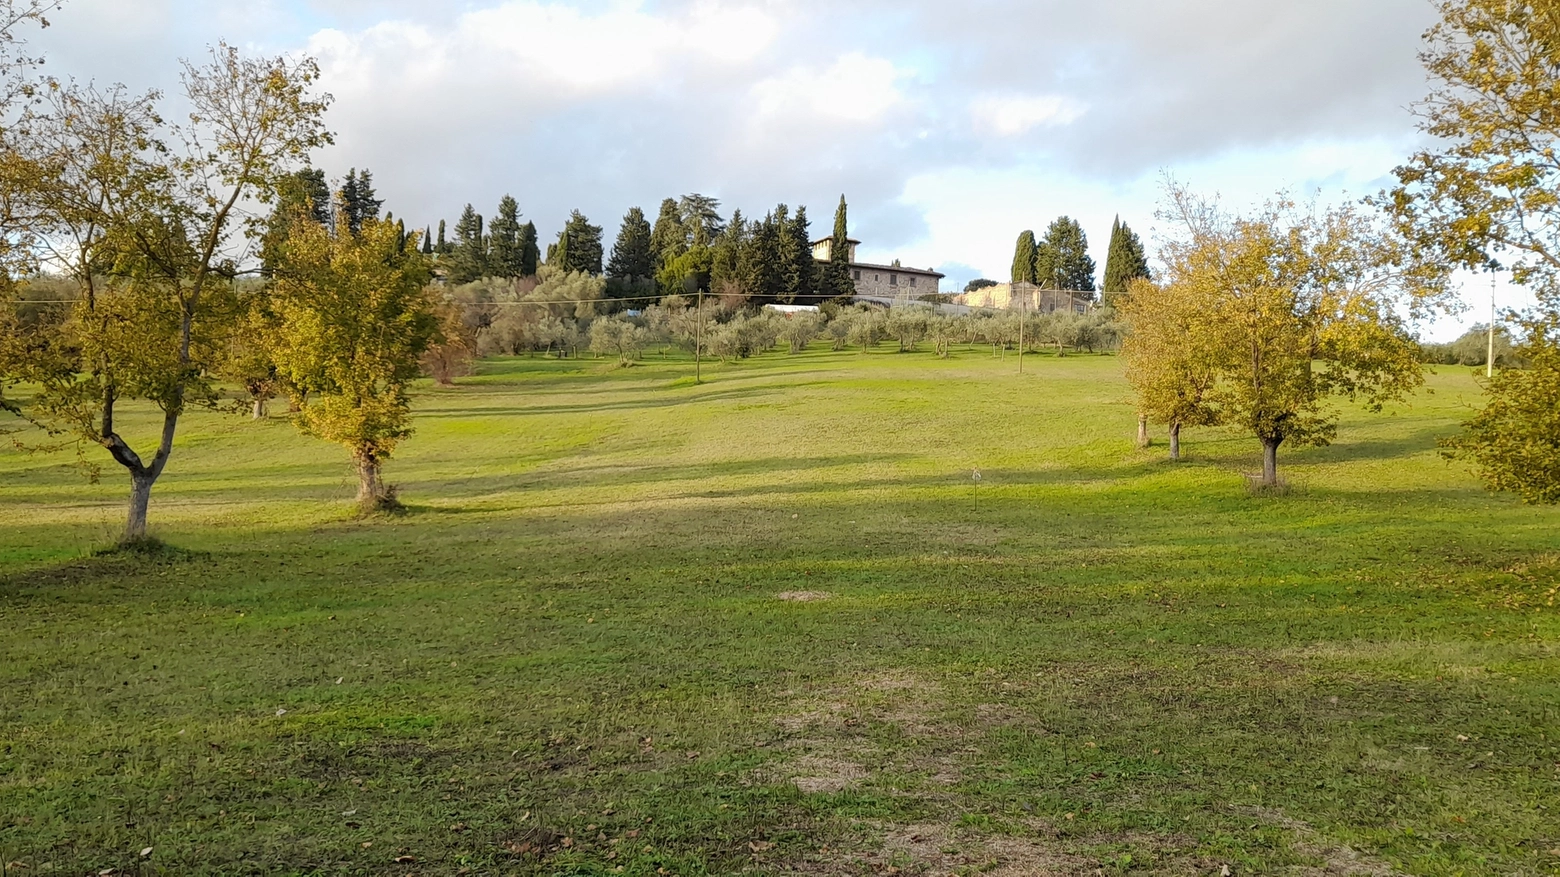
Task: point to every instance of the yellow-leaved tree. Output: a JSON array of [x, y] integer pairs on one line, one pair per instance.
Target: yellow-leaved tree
[[352, 322], [1483, 196], [152, 222], [1170, 362], [1283, 309]]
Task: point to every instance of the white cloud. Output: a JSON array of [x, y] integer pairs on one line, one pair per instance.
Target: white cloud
[[855, 88], [1009, 115]]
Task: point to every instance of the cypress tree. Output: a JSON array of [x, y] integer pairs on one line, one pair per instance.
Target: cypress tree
[[427, 241], [837, 280], [468, 261], [1024, 255], [632, 256], [1125, 261], [443, 245], [504, 240], [530, 252]]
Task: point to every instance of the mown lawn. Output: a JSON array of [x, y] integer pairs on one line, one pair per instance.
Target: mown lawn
[[572, 655]]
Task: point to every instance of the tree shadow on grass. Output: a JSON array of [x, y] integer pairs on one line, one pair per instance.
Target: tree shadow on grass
[[638, 404]]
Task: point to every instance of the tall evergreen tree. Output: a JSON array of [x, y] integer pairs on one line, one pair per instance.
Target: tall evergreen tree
[[578, 247], [1024, 255], [468, 260], [427, 241], [761, 262], [357, 199], [726, 254], [304, 193], [311, 182], [668, 239], [1063, 259], [443, 247], [700, 215], [632, 258], [504, 240], [837, 280], [1125, 261], [530, 250], [801, 270]]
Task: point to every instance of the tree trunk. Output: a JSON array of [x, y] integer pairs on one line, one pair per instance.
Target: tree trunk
[[368, 480], [257, 410], [1175, 442], [1270, 462], [140, 498], [1143, 431]]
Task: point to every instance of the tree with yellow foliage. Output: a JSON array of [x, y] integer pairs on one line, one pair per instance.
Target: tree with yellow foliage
[[352, 323]]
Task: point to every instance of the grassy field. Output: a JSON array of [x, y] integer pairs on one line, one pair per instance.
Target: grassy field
[[767, 626]]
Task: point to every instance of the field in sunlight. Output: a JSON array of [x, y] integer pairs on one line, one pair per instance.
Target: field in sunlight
[[767, 625]]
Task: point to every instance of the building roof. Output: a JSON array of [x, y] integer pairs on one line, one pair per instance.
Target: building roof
[[902, 269], [829, 239]]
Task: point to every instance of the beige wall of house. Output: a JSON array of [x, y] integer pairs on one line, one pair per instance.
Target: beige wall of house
[[892, 281], [1030, 297]]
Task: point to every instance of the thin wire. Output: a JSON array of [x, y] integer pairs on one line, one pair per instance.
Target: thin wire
[[550, 301]]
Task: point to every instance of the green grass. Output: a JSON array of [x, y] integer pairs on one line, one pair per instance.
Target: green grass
[[570, 656]]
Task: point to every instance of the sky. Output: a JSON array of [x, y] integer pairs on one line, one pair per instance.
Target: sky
[[950, 127]]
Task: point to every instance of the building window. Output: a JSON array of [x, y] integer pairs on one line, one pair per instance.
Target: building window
[[858, 275], [912, 281], [893, 280], [877, 278]]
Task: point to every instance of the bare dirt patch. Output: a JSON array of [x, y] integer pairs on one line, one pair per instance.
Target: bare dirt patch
[[938, 849], [814, 774], [803, 596], [1336, 860]]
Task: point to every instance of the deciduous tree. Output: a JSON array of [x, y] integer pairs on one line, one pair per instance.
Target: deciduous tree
[[154, 234], [1302, 307], [1172, 355], [1483, 196], [354, 322]]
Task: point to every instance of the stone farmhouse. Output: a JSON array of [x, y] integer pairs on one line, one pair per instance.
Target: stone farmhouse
[[881, 281], [1029, 297]]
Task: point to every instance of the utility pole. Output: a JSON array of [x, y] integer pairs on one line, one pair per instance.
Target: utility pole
[[698, 345], [1021, 303], [1489, 359]]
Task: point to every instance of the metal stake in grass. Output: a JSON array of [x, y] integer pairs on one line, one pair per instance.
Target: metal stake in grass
[[975, 477], [1489, 357]]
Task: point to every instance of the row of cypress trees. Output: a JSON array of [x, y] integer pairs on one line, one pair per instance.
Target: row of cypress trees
[[690, 245], [1061, 259]]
